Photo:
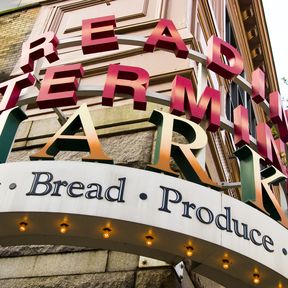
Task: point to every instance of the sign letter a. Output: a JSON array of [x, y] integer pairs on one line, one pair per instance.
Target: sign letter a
[[66, 140]]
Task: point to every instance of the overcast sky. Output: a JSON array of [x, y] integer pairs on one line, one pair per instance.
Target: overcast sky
[[276, 12]]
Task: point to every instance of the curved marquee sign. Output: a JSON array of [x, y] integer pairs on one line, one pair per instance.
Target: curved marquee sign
[[174, 217], [135, 203]]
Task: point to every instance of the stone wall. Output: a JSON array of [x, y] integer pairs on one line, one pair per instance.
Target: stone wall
[[15, 29], [79, 269]]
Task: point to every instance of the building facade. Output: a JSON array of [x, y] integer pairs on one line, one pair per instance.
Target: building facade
[[44, 256]]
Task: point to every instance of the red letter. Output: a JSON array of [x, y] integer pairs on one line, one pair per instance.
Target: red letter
[[216, 48], [98, 35], [258, 86], [44, 45], [275, 107], [267, 146], [11, 90], [241, 126], [183, 98], [59, 86], [128, 80], [166, 36], [278, 115]]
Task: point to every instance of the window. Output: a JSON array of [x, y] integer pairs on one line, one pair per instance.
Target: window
[[236, 95]]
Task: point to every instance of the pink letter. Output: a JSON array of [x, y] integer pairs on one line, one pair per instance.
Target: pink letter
[[11, 90], [278, 115], [183, 98], [268, 148], [217, 48], [241, 126], [166, 36], [128, 80], [59, 85], [42, 46], [258, 86], [98, 35]]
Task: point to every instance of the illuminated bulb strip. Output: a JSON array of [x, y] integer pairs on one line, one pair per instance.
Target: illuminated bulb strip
[[106, 232], [23, 226], [63, 228], [189, 251], [256, 278], [149, 240], [225, 264]]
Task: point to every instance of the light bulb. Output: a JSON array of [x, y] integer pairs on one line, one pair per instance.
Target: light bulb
[[23, 226], [149, 240], [189, 251], [225, 264], [63, 228], [106, 232], [256, 278]]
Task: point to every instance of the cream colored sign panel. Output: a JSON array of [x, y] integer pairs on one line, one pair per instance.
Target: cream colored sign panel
[[134, 203]]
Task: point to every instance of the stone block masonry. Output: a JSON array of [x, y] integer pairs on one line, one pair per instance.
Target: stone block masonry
[[82, 269], [15, 29]]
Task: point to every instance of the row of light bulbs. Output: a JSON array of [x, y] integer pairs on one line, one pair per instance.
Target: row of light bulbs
[[226, 265], [106, 232]]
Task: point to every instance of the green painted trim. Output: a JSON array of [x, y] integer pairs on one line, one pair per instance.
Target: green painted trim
[[21, 8]]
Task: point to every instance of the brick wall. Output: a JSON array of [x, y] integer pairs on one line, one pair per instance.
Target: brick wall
[[15, 29]]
